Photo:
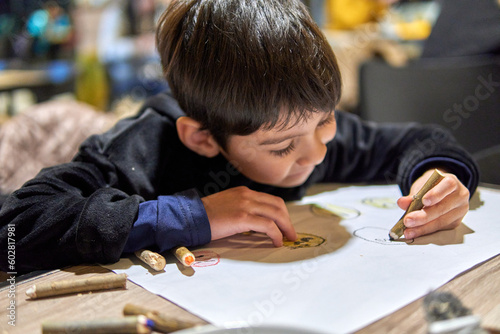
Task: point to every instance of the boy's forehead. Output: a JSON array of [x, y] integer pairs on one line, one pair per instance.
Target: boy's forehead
[[262, 137], [282, 131], [277, 135]]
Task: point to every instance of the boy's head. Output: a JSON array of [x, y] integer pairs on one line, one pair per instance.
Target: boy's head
[[237, 66]]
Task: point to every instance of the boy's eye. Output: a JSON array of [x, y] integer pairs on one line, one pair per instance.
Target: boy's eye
[[285, 151], [330, 119]]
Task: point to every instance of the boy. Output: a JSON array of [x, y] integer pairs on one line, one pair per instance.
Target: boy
[[250, 123]]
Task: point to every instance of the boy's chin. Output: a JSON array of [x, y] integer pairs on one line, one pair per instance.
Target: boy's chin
[[293, 181], [289, 185], [289, 181]]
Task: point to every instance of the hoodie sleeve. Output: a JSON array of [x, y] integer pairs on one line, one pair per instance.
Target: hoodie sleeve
[[170, 221], [393, 152], [67, 215], [83, 211]]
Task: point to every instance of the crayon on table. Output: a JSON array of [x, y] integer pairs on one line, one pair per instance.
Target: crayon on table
[[94, 283], [416, 204], [152, 259], [184, 255], [162, 322], [131, 325]]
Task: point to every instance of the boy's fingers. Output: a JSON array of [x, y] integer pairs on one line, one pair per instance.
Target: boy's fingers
[[284, 224], [445, 205], [455, 202], [266, 226], [428, 214], [439, 212], [439, 224], [289, 232], [441, 190], [274, 208], [404, 202], [241, 209]]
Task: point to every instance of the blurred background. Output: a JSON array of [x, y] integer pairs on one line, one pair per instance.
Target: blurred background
[[102, 50], [70, 68], [96, 50]]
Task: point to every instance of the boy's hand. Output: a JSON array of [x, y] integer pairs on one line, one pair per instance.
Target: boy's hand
[[240, 209], [445, 206]]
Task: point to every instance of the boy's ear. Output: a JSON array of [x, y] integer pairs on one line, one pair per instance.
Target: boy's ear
[[196, 139]]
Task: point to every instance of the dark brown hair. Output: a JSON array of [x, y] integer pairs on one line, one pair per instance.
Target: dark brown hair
[[237, 66]]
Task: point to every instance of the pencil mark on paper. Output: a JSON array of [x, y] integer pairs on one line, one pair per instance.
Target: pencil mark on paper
[[379, 235], [329, 210], [304, 240], [381, 202]]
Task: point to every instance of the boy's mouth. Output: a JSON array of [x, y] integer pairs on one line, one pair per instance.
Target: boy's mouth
[[303, 172]]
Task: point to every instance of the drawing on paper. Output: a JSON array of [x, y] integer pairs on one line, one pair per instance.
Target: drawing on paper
[[381, 202], [279, 273], [378, 235], [329, 210], [304, 240], [205, 258]]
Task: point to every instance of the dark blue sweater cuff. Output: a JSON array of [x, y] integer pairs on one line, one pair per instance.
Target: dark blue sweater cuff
[[459, 169], [170, 221]]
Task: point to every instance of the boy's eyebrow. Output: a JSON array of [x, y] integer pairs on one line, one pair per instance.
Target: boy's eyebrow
[[272, 141], [287, 137]]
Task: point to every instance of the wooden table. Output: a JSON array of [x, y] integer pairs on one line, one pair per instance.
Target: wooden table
[[477, 288]]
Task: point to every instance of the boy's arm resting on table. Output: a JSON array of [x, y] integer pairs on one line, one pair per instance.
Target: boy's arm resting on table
[[170, 221], [66, 215], [401, 153], [83, 211], [58, 224]]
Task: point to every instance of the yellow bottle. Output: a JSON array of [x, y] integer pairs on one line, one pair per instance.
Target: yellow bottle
[[348, 14], [92, 84]]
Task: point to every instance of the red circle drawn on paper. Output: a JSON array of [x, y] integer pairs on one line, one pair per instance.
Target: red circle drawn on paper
[[205, 258]]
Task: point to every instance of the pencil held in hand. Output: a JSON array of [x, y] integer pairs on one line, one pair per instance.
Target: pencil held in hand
[[416, 204]]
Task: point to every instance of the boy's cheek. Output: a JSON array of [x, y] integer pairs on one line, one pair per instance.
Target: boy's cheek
[[247, 153], [262, 173]]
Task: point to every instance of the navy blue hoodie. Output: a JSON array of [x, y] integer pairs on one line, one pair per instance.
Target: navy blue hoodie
[[138, 186]]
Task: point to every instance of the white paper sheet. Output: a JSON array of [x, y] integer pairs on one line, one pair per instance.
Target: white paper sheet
[[353, 278]]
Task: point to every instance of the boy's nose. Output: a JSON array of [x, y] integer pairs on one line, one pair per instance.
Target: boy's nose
[[313, 153]]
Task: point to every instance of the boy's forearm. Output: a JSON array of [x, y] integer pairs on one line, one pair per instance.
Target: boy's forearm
[[371, 152], [465, 170], [170, 221], [57, 225]]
